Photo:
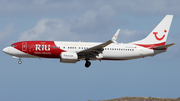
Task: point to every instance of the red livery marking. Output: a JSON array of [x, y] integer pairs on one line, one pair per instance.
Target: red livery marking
[[151, 46], [46, 49], [155, 34], [165, 31]]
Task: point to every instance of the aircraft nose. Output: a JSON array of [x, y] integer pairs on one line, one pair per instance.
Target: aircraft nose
[[6, 50]]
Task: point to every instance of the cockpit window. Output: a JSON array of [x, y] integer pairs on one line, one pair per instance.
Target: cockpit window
[[13, 45]]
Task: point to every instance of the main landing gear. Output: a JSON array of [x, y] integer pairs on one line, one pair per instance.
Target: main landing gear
[[87, 64]]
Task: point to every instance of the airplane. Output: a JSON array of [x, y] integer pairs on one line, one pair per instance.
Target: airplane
[[72, 52]]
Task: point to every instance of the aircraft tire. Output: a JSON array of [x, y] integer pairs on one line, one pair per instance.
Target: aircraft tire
[[19, 62], [87, 64]]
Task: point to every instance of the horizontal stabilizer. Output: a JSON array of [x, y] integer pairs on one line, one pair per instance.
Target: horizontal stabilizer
[[163, 47]]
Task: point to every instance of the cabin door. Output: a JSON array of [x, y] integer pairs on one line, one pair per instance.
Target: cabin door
[[24, 46]]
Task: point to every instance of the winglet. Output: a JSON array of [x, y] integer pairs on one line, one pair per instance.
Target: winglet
[[113, 39]]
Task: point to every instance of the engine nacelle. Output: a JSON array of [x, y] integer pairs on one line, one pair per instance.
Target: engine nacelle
[[68, 57]]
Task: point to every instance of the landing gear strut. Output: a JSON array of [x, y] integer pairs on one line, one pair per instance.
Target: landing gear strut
[[19, 61], [87, 64]]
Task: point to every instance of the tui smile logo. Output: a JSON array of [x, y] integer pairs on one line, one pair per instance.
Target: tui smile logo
[[155, 34]]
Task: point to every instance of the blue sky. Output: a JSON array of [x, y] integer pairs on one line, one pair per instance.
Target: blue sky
[[95, 20]]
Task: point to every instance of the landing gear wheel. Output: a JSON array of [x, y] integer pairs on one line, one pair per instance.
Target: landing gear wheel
[[87, 64], [19, 62]]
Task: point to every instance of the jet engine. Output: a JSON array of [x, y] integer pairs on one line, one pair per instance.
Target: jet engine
[[68, 57]]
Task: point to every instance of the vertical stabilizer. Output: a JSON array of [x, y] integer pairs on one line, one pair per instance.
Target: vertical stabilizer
[[159, 34]]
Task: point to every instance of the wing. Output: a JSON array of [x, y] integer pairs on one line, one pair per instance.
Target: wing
[[94, 51]]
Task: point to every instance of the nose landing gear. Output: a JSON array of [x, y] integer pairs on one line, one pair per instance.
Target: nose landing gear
[[19, 61]]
